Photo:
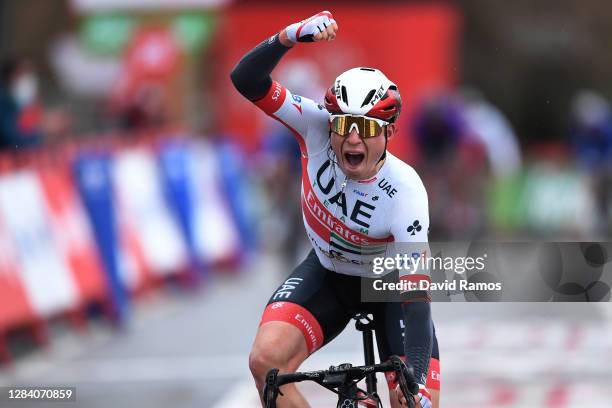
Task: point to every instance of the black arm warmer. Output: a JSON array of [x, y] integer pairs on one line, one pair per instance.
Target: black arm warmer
[[251, 76], [418, 335]]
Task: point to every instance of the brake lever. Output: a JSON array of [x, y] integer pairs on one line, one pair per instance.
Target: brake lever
[[404, 375], [271, 390]]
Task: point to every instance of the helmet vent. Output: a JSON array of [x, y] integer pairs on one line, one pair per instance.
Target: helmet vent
[[368, 97], [344, 97], [367, 69]]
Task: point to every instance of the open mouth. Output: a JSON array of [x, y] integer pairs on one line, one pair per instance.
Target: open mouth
[[354, 159]]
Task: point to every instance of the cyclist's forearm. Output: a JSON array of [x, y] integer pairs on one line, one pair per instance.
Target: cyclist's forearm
[[418, 337], [251, 76]]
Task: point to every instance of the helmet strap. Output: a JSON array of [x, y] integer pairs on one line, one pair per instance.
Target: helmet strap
[[384, 155]]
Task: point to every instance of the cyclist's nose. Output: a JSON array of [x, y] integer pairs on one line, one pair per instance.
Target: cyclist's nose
[[353, 137]]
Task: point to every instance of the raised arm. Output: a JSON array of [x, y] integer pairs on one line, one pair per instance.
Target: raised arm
[[252, 79]]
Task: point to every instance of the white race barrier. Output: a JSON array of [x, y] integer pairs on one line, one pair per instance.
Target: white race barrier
[[216, 234], [43, 269], [143, 208]]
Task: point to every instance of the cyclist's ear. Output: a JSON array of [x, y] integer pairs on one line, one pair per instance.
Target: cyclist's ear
[[391, 130]]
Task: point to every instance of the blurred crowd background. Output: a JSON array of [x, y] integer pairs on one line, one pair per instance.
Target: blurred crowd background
[[129, 162]]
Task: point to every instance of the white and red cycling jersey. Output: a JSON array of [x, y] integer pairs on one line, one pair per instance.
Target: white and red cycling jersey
[[349, 222]]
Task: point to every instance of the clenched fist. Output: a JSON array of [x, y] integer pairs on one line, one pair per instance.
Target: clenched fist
[[321, 26]]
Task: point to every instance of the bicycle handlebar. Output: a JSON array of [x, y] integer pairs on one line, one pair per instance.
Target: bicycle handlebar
[[336, 376], [352, 373]]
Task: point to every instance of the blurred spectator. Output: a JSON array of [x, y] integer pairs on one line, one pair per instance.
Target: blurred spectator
[[280, 168], [591, 130], [145, 95], [147, 109], [24, 122], [490, 126], [438, 128], [452, 163], [20, 111], [591, 134]]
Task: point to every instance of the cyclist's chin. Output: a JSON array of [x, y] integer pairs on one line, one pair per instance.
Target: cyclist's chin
[[356, 171]]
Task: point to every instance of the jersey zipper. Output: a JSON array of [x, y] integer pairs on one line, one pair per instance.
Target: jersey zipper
[[342, 188]]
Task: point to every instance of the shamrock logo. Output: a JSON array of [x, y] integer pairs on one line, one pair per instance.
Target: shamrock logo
[[375, 198], [415, 227]]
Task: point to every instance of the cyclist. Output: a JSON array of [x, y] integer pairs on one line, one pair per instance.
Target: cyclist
[[358, 200]]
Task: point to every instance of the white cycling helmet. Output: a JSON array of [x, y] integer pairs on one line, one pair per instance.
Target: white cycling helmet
[[364, 91]]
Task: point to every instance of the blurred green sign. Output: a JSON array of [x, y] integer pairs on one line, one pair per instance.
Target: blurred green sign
[[194, 30], [106, 33]]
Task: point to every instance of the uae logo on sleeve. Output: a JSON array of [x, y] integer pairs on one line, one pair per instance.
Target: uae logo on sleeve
[[414, 228]]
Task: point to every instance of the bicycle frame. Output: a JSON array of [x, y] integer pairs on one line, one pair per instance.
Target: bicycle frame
[[366, 330]]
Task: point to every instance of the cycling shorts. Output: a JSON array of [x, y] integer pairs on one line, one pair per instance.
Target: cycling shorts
[[320, 303]]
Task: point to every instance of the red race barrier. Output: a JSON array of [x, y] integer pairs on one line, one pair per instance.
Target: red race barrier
[[71, 229], [16, 309]]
